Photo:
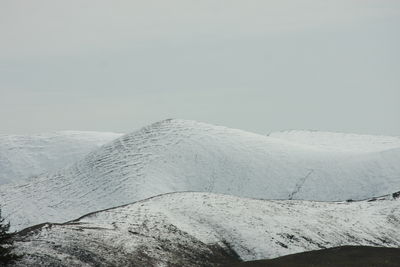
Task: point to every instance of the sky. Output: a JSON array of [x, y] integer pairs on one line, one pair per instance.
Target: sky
[[256, 65]]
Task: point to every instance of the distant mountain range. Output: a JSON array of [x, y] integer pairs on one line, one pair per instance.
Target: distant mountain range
[[180, 155]]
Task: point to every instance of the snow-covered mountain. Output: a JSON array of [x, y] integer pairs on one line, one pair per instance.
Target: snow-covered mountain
[[204, 229], [24, 156], [180, 155]]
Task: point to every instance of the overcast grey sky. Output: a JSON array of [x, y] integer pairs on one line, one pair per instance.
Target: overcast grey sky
[[256, 65]]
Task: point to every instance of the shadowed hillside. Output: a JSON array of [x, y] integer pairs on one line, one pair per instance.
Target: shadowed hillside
[[346, 256]]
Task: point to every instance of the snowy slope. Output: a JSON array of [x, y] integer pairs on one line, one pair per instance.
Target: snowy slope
[[340, 141], [179, 155], [191, 229], [23, 156]]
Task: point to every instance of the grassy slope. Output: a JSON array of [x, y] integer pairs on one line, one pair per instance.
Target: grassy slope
[[348, 256]]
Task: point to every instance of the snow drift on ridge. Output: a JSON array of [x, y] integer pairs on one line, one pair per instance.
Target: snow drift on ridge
[[180, 155], [23, 156], [189, 229]]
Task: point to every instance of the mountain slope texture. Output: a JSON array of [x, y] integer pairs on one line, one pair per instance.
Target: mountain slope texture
[[24, 156]]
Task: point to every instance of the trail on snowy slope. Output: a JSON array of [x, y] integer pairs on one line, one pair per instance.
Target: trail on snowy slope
[[180, 155]]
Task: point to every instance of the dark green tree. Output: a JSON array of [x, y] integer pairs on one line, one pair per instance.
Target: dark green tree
[[6, 243]]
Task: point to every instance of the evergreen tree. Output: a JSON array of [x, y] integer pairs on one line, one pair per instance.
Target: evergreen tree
[[6, 243]]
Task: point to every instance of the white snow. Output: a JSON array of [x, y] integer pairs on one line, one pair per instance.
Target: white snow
[[254, 229], [24, 156], [340, 141], [180, 155]]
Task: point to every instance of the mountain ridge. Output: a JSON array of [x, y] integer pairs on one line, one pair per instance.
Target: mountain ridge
[[180, 155]]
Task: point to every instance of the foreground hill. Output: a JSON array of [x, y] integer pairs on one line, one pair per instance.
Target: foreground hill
[[179, 155], [205, 229], [346, 256], [24, 156]]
